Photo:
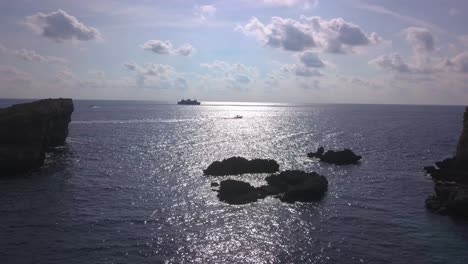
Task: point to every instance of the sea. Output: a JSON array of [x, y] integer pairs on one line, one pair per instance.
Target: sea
[[128, 187]]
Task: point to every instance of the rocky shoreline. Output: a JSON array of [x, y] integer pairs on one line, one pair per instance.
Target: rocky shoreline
[[29, 130], [450, 177]]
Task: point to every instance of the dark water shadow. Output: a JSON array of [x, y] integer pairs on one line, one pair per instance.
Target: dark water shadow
[[56, 161]]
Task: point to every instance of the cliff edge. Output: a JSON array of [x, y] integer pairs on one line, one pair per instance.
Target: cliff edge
[[29, 130], [450, 176], [462, 148]]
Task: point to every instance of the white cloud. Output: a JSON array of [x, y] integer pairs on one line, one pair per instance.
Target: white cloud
[[421, 39], [60, 26], [244, 79], [30, 55], [151, 69], [339, 36], [358, 82], [301, 70], [310, 33], [311, 59], [166, 47], [158, 46], [459, 63], [232, 75], [185, 50], [230, 69], [204, 12], [131, 66], [156, 76], [392, 63], [287, 34]]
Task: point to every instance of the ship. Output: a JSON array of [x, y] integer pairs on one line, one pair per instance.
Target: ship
[[188, 102]]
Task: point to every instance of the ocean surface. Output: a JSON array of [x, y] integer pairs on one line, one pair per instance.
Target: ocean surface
[[128, 187]]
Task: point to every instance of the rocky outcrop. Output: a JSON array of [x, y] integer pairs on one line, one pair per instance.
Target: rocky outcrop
[[239, 165], [449, 199], [450, 176], [316, 154], [462, 147], [296, 185], [343, 157], [237, 192], [289, 186], [29, 130]]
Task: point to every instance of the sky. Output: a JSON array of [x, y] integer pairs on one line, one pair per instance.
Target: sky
[[291, 51]]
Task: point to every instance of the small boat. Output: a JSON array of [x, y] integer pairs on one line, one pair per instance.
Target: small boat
[[188, 102], [238, 117]]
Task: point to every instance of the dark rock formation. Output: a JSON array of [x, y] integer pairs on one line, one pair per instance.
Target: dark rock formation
[[462, 147], [289, 186], [239, 165], [237, 192], [28, 130], [296, 185], [451, 180], [449, 199], [343, 157], [317, 154]]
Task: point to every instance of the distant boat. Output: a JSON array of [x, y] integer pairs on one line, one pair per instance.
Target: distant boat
[[188, 102], [238, 117], [93, 106]]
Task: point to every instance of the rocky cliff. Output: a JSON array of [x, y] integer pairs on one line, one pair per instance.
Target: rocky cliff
[[462, 148], [29, 130], [451, 180]]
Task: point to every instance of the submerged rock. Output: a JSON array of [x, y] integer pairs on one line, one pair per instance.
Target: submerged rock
[[316, 154], [239, 165], [28, 130], [343, 157], [290, 186], [450, 176]]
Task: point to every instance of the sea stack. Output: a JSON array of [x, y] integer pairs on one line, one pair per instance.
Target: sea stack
[[451, 180], [29, 130]]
